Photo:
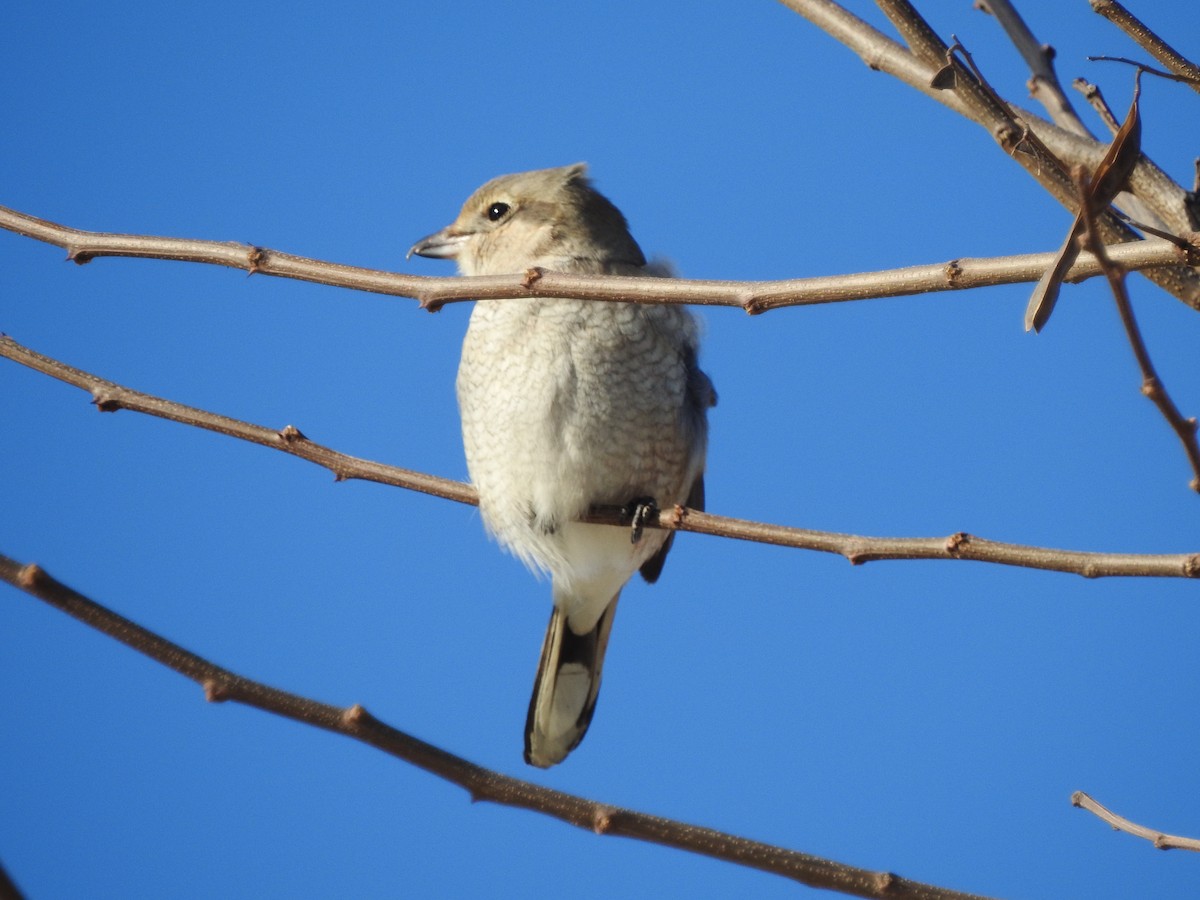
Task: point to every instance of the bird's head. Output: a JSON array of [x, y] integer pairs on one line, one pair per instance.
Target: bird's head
[[547, 218]]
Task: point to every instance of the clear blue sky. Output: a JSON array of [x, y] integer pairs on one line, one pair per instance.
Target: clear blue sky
[[931, 719]]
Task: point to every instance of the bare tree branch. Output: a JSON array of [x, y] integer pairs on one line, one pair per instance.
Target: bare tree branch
[[877, 50], [1092, 94], [1010, 126], [1044, 85], [355, 722], [1186, 71], [1120, 823], [1149, 183], [1152, 386], [881, 53], [858, 549], [984, 105], [752, 296]]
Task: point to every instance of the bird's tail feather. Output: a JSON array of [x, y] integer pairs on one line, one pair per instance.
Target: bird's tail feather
[[565, 688]]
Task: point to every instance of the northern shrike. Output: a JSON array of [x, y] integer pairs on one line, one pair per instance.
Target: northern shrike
[[566, 404]]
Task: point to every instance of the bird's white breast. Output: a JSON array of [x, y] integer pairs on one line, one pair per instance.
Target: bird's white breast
[[569, 403]]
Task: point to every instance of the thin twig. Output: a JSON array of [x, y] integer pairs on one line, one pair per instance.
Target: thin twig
[[858, 549], [1184, 70], [1120, 823], [1092, 94], [1152, 385], [1137, 64], [222, 685], [1188, 248], [752, 296]]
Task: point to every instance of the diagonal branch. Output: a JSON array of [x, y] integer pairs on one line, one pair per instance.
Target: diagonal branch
[[1185, 70], [1120, 823], [985, 106], [1095, 97], [1044, 85], [354, 722], [752, 296], [858, 549]]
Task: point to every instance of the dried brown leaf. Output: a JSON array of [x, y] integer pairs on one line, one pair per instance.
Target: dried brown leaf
[[1106, 182]]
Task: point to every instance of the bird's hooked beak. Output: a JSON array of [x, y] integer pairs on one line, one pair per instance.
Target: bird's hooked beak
[[443, 244]]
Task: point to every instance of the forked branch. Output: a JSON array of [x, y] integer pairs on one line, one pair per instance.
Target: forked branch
[[1044, 150], [1044, 85]]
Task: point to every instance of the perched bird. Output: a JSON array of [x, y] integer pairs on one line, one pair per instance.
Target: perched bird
[[567, 404]]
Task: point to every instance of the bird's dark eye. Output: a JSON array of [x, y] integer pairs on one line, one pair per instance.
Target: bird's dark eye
[[497, 211]]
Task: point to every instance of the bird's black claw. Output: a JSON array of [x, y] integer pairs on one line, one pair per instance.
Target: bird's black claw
[[639, 511]]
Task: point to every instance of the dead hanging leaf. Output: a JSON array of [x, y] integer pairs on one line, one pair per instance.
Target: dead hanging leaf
[[1106, 182]]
